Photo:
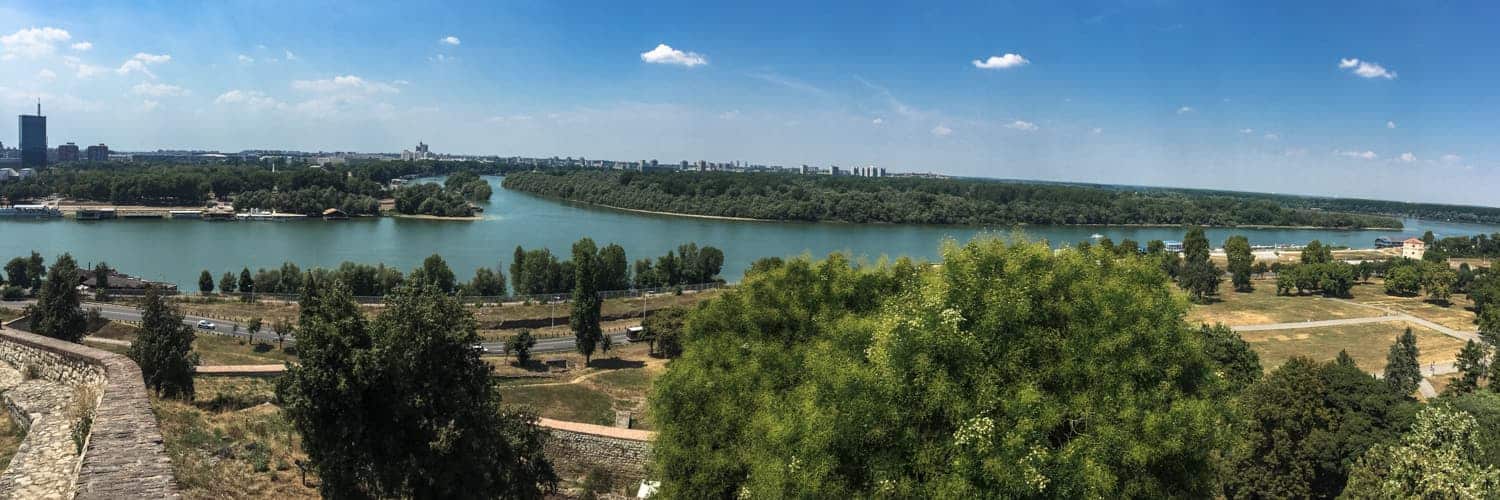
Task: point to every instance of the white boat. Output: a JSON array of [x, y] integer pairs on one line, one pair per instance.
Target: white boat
[[1096, 236], [30, 211]]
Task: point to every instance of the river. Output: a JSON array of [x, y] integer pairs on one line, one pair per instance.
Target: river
[[176, 250]]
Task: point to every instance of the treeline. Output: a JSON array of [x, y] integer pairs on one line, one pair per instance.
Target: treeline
[[184, 185], [1479, 245], [880, 368], [309, 201], [532, 272], [918, 201]]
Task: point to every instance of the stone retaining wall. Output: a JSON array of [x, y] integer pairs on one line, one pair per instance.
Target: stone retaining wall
[[576, 448], [124, 456]]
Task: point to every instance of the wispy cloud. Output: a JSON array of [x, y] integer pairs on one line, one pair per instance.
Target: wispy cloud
[[1363, 155], [140, 61], [450, 40], [32, 43], [1390, 124], [158, 90], [1185, 110], [665, 54], [785, 81], [1022, 125], [941, 131], [244, 59], [82, 46], [345, 84], [1006, 61], [1408, 157], [253, 99], [1366, 69], [290, 56]]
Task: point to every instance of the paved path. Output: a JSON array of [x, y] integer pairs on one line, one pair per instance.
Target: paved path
[[1318, 324]]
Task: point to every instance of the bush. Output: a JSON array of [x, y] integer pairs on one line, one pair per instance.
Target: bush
[[13, 292]]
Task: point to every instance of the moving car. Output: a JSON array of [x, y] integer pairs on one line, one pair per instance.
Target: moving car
[[206, 325]]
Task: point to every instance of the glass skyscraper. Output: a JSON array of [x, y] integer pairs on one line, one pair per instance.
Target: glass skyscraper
[[34, 139]]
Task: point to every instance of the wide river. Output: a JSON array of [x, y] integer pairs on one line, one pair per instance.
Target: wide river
[[176, 250]]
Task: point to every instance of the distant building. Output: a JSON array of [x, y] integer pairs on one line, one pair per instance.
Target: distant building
[[34, 139], [1387, 242], [1172, 246], [1413, 248], [67, 152], [98, 152]]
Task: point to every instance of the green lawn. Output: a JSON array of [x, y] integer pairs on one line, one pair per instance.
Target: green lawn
[[571, 402], [212, 349]]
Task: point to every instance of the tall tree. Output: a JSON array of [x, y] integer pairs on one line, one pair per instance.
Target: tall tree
[[614, 269], [487, 283], [1001, 407], [227, 283], [1473, 365], [1316, 253], [402, 407], [1436, 459], [205, 282], [584, 317], [1238, 364], [15, 273], [35, 269], [101, 281], [1402, 370], [164, 348], [1241, 261], [517, 269], [436, 271], [57, 312], [1200, 277], [247, 283]]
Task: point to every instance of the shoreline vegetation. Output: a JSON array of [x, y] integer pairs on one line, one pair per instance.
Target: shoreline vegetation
[[959, 202]]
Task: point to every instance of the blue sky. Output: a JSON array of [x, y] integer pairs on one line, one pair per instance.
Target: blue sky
[[1385, 99]]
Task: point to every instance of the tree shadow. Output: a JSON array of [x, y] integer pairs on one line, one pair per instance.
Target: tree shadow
[[616, 364]]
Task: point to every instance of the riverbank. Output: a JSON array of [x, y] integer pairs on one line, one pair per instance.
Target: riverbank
[[433, 217]]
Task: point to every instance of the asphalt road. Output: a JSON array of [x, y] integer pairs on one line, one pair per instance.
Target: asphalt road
[[127, 313]]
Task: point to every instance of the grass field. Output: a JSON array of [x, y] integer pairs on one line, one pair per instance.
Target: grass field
[[1455, 315], [1263, 306], [212, 349], [1368, 343], [619, 381], [231, 442]]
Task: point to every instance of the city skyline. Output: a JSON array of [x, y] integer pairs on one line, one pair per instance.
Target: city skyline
[[1163, 94]]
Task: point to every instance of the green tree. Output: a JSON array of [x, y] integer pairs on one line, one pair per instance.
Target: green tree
[[435, 271], [584, 316], [253, 328], [1316, 253], [664, 331], [1438, 280], [520, 345], [227, 283], [1238, 364], [401, 406], [487, 283], [247, 284], [1436, 459], [15, 272], [1403, 280], [614, 270], [1241, 261], [57, 312], [205, 282], [101, 281], [164, 348], [1199, 276], [1304, 425], [36, 269], [1473, 365], [911, 381], [282, 328], [1402, 370]]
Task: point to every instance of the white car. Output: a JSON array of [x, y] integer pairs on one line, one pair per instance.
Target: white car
[[206, 325]]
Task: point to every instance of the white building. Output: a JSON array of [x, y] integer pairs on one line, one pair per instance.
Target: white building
[[1413, 248]]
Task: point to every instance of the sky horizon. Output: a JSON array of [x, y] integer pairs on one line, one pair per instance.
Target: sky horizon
[[1332, 99]]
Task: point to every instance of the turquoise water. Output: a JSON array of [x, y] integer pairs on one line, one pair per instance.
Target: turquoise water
[[176, 250]]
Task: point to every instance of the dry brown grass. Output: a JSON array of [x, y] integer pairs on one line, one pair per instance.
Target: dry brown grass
[[1455, 315], [212, 349], [231, 442], [617, 381], [1263, 306], [1367, 343]]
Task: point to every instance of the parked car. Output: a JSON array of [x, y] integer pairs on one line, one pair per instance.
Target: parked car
[[206, 325]]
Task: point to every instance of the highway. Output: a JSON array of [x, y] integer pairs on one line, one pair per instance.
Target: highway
[[126, 313]]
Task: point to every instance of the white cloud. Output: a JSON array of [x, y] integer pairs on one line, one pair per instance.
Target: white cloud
[[1247, 131], [941, 131], [290, 56], [158, 90], [1390, 124], [449, 40], [244, 59], [1006, 61], [1366, 69], [1272, 136], [401, 82], [877, 121], [665, 54], [1022, 125], [140, 61], [1096, 131], [253, 99], [46, 75], [1363, 155], [442, 58], [149, 105], [729, 115], [1185, 110], [1408, 157], [83, 46], [1452, 158], [32, 43], [345, 84]]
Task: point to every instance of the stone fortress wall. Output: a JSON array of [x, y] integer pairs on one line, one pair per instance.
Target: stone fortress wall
[[50, 385]]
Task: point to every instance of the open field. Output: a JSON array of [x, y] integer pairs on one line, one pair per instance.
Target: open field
[[1455, 315], [7, 314], [212, 349], [230, 441], [1368, 343], [1263, 306], [618, 381], [1441, 382]]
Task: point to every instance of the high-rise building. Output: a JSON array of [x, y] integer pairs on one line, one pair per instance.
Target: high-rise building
[[97, 153], [67, 152], [34, 139]]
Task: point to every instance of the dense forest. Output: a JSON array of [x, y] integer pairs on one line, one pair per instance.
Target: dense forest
[[918, 201]]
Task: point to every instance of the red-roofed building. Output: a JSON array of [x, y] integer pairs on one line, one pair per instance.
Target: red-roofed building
[[1413, 248]]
